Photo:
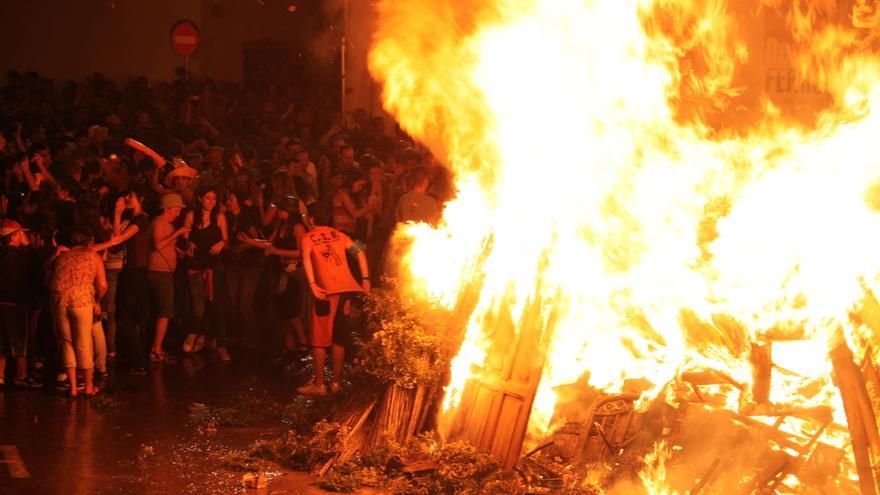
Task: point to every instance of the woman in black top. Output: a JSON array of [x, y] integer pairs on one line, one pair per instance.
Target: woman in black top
[[207, 239], [283, 267], [243, 265]]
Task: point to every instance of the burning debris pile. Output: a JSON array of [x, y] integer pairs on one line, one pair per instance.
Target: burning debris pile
[[704, 432]]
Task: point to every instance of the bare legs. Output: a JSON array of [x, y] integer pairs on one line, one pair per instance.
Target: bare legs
[[88, 379], [161, 330], [337, 358]]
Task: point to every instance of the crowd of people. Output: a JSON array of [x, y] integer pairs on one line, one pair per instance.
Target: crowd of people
[[145, 221]]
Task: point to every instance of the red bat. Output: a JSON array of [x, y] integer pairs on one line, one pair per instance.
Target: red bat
[[157, 159]]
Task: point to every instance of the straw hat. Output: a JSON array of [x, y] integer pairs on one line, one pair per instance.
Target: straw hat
[[182, 171]]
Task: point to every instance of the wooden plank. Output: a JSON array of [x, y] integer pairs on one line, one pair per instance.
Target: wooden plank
[[848, 378], [14, 463], [509, 417], [762, 365], [480, 418]]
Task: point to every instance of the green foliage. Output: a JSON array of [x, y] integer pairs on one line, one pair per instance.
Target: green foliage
[[352, 476], [304, 412], [459, 469], [409, 342], [460, 460]]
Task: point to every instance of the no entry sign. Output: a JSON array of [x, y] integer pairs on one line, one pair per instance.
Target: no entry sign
[[185, 37]]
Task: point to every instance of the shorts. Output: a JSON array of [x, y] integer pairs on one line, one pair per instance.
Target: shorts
[[329, 325], [13, 330], [162, 293]]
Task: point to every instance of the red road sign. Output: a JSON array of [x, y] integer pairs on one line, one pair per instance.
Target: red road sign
[[185, 37]]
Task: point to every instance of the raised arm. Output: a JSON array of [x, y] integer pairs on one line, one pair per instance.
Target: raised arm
[[32, 181], [157, 159], [154, 182]]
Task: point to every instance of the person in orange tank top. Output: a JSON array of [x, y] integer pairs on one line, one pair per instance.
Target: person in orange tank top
[[332, 284]]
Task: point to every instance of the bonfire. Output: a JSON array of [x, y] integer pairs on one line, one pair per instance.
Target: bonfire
[[665, 234]]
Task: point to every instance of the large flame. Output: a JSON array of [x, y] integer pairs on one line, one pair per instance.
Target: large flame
[[628, 184]]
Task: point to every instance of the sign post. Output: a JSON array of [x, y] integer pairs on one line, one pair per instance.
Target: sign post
[[185, 39]]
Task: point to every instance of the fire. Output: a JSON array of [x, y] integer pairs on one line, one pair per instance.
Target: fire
[[614, 193]]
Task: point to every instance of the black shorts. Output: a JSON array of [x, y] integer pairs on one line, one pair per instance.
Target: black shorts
[[288, 303]]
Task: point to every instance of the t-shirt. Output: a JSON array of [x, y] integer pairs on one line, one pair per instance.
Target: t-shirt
[[328, 247], [73, 279], [137, 249]]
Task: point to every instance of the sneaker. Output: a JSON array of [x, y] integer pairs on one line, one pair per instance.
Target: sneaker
[[313, 389], [224, 354], [335, 387]]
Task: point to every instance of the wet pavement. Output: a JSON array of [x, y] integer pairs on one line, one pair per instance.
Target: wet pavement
[[139, 436]]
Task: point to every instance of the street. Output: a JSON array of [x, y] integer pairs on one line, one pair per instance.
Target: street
[[139, 435]]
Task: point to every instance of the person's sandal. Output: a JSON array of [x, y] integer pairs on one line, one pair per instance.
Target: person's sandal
[[28, 382], [200, 343], [156, 357], [95, 391], [189, 343]]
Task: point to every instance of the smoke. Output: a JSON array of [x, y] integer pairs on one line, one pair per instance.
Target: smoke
[[327, 39]]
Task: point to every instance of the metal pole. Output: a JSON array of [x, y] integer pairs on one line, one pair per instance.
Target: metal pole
[[342, 51]]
